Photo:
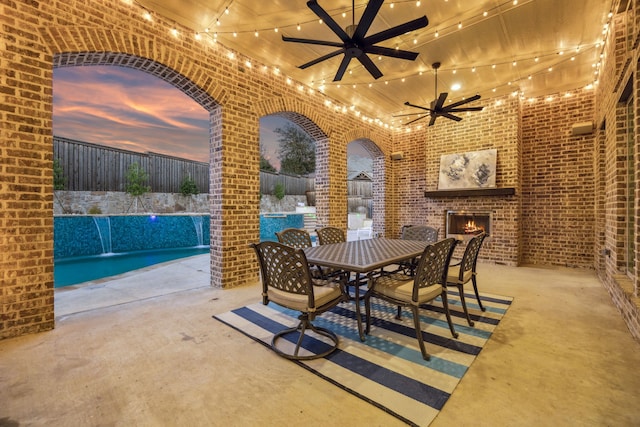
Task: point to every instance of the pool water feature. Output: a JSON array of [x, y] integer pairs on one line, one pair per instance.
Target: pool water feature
[[95, 246], [90, 247]]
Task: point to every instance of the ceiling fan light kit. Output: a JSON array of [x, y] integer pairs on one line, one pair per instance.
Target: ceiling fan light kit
[[354, 42]]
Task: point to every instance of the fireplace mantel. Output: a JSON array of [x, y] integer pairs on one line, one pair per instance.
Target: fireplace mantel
[[509, 191]]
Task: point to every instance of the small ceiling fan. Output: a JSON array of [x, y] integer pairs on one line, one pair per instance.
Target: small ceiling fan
[[354, 43], [437, 108]]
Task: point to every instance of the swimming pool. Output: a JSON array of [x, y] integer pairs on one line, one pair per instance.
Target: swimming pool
[[71, 271], [90, 247]]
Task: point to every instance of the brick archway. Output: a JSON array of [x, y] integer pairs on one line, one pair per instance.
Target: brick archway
[[78, 46], [330, 163], [39, 37]]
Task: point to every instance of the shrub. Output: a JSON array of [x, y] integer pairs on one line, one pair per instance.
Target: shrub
[[59, 180], [188, 187], [278, 191]]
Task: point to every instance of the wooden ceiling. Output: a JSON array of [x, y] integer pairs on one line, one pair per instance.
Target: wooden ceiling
[[488, 47]]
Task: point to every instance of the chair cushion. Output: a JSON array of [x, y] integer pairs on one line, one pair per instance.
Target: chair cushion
[[400, 287], [453, 275], [323, 294]]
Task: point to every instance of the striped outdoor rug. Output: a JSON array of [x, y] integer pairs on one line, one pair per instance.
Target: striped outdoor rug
[[387, 370]]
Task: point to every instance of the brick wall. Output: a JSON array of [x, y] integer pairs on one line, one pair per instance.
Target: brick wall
[[37, 36], [619, 81], [236, 91], [558, 186], [496, 126]]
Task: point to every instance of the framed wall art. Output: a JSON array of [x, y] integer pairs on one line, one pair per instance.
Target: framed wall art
[[474, 169]]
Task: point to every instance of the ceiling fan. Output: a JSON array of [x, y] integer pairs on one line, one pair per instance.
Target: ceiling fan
[[437, 108], [354, 43]]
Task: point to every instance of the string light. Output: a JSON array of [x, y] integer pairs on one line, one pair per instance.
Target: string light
[[599, 44]]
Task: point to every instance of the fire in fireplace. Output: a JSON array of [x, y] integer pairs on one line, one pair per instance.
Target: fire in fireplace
[[463, 225]]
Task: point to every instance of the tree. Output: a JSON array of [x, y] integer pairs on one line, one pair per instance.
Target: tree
[[136, 179], [297, 151], [265, 165], [59, 182]]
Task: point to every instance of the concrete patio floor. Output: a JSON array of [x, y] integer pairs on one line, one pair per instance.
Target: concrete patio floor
[[142, 349]]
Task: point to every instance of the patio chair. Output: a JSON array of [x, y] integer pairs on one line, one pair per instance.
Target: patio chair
[[420, 232], [416, 232], [295, 238], [298, 238], [328, 235], [425, 286], [460, 273], [287, 281]]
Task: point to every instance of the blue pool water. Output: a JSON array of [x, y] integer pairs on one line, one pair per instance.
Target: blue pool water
[[89, 247], [71, 271], [272, 223]]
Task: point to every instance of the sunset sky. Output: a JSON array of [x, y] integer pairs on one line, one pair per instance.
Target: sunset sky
[[129, 109]]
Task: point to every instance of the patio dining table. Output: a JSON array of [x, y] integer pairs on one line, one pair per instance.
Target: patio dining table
[[363, 257]]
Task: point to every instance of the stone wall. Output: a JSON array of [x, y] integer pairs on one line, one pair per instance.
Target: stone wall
[[115, 202]]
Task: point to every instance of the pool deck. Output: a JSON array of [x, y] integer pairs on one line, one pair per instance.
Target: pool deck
[[143, 349]]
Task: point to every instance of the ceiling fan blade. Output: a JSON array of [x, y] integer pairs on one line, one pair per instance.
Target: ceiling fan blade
[[327, 19], [418, 106], [397, 30], [322, 58], [309, 41], [459, 110], [440, 101], [464, 101], [370, 66], [387, 51], [343, 66], [433, 119], [415, 120], [408, 114], [367, 18], [450, 116]]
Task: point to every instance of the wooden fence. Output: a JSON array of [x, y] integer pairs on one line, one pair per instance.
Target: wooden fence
[[93, 167], [293, 185]]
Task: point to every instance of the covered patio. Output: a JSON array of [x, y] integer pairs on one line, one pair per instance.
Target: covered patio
[[124, 352]]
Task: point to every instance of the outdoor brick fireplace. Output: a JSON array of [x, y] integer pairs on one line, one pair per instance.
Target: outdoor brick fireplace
[[463, 225]]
